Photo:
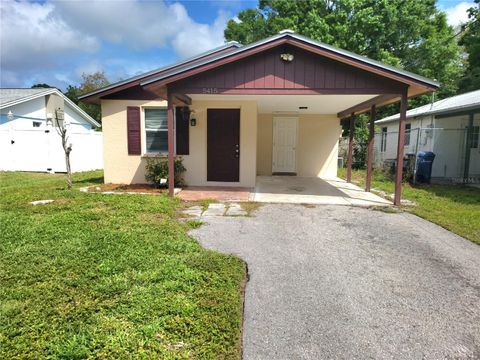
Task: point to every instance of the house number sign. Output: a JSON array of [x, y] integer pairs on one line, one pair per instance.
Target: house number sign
[[210, 90]]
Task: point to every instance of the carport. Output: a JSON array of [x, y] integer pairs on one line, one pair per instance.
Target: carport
[[223, 106]]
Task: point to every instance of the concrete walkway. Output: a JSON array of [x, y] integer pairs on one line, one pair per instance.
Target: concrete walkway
[[301, 190], [342, 282]]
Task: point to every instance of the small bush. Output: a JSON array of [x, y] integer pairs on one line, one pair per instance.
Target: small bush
[[157, 171]]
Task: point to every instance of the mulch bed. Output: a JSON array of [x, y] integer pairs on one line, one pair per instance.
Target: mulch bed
[[140, 188]]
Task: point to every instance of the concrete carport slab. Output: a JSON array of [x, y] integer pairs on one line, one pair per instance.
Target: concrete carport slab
[[310, 190]]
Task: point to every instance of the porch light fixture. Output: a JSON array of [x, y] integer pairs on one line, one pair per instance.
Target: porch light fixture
[[10, 116], [286, 57], [193, 120]]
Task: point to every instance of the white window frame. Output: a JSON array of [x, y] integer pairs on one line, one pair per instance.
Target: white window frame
[[144, 131]]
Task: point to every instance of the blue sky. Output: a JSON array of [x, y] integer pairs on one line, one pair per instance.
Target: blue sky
[[55, 41]]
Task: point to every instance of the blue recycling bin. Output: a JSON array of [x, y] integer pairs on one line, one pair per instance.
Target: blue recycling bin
[[424, 166]]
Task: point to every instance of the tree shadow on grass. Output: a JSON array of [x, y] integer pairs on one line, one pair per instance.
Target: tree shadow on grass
[[463, 194], [90, 180]]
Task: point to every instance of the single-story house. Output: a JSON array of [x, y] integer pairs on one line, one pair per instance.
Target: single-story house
[[28, 137], [450, 128], [236, 112]]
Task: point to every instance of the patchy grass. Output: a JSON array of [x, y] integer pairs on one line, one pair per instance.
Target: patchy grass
[[99, 276], [454, 207], [250, 206]]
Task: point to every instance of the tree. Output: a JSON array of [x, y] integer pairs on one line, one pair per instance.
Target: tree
[[42, 85], [410, 34], [90, 82], [471, 43], [61, 128]]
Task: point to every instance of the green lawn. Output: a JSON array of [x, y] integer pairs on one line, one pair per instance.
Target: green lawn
[[109, 276], [454, 207]]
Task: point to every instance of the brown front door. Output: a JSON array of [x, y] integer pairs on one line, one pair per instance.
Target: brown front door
[[223, 144]]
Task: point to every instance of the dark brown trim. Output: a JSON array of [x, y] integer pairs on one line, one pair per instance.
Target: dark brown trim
[[95, 98], [282, 41], [371, 139], [134, 144], [171, 164], [367, 104], [400, 147], [350, 148], [251, 91], [187, 100]]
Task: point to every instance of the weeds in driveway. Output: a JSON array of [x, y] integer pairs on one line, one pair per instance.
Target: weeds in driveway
[[194, 224], [250, 206], [99, 276]]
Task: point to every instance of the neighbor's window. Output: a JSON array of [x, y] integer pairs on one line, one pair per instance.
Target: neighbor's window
[[383, 142], [475, 137], [156, 130], [408, 129], [36, 123]]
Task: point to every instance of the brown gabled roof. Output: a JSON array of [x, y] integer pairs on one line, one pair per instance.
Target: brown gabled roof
[[94, 96], [417, 84]]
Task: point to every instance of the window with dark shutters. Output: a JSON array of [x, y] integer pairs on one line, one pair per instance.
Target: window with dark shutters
[[133, 130], [182, 130]]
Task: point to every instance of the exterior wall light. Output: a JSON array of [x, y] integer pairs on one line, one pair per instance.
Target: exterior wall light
[[193, 122], [10, 116], [286, 57]]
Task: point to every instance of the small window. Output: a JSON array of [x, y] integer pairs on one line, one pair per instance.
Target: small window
[[408, 129], [475, 137], [156, 131], [36, 124], [383, 142]]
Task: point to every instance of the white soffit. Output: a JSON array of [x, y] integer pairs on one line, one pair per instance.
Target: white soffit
[[316, 104]]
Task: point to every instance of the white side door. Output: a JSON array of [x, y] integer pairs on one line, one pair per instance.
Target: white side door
[[284, 144]]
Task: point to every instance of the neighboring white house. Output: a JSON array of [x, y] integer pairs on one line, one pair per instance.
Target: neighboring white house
[[450, 128], [28, 137]]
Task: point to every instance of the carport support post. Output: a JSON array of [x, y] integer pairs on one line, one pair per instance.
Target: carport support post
[[171, 160], [401, 143], [371, 136], [350, 148]]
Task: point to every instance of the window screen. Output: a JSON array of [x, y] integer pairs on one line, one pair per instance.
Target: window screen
[[156, 130]]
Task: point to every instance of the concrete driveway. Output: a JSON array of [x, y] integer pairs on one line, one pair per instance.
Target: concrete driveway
[[339, 282]]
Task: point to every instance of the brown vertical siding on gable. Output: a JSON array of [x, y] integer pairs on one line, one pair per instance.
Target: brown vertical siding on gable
[[267, 71], [133, 130]]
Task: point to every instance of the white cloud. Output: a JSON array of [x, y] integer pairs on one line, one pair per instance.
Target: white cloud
[[58, 40], [32, 34], [141, 25], [457, 15]]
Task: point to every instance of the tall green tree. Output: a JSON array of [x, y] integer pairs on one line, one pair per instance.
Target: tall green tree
[[90, 82], [471, 43], [409, 34]]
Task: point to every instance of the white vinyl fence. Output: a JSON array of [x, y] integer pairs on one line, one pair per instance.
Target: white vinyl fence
[[41, 150]]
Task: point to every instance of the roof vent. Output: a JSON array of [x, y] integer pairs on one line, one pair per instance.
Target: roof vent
[[287, 31]]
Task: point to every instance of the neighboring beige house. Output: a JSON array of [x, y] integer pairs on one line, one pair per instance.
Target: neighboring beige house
[[272, 107]]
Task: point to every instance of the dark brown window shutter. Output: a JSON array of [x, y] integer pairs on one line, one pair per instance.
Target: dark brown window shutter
[[133, 130], [182, 130]]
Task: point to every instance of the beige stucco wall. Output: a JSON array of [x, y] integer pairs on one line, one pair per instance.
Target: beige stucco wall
[[317, 145], [196, 162], [123, 168]]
